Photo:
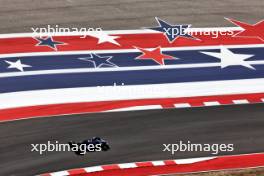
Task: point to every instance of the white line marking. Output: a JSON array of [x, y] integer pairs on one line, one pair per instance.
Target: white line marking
[[127, 165], [93, 169], [136, 108], [113, 93], [193, 160], [61, 173], [158, 163], [244, 101], [211, 103], [135, 31], [182, 105]]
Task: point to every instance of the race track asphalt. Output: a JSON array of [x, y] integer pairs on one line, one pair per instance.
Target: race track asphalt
[[22, 15], [133, 136]]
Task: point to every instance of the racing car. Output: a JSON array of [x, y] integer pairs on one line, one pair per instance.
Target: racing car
[[95, 144]]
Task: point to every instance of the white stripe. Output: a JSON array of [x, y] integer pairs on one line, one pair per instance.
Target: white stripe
[[127, 165], [158, 163], [182, 105], [241, 101], [111, 93], [186, 48], [136, 108], [136, 31], [88, 70], [192, 160], [211, 103], [93, 169], [61, 173]]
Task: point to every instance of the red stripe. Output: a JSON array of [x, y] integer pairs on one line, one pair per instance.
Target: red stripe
[[111, 167], [170, 162], [127, 41], [76, 171], [144, 164], [88, 107]]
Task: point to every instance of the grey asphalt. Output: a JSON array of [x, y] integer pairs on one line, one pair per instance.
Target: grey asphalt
[[133, 136], [21, 15]]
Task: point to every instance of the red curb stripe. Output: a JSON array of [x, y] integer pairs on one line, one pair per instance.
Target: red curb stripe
[[76, 171], [170, 162], [90, 107], [144, 164], [171, 166], [111, 167]]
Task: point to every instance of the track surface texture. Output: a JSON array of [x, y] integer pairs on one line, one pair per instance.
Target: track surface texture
[[133, 136], [21, 15]]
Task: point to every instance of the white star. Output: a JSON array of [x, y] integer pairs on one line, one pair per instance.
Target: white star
[[18, 65], [104, 37], [228, 58]]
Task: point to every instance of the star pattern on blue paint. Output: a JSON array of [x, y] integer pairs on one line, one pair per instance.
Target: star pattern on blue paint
[[172, 32], [99, 61]]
